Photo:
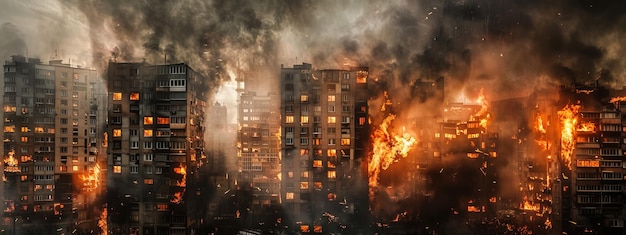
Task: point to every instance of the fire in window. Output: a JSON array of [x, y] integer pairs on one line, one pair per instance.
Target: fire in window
[[148, 120], [117, 96], [134, 96]]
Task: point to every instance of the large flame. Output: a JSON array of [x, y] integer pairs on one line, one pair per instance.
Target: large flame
[[102, 222], [181, 170], [617, 99], [482, 114], [540, 127], [92, 179], [387, 147], [568, 131], [10, 162]]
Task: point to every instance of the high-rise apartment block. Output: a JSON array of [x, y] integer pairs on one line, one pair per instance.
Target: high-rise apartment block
[[324, 130], [53, 125], [259, 148], [155, 140]]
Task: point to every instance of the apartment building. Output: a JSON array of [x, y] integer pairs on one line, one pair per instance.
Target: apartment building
[[324, 131], [155, 140], [51, 144]]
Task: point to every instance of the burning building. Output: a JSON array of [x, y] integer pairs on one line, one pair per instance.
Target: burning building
[[155, 141], [53, 127], [259, 149], [324, 132]]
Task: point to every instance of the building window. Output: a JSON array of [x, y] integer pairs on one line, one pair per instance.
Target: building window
[[288, 141], [134, 96], [117, 169], [304, 141], [332, 174], [134, 169], [134, 144], [163, 120], [117, 96], [289, 196], [148, 120], [332, 120], [289, 119], [345, 119], [117, 132], [24, 139], [331, 108], [361, 121], [331, 98], [147, 133], [304, 185], [304, 98], [345, 141], [147, 145], [304, 119], [317, 163], [148, 181]]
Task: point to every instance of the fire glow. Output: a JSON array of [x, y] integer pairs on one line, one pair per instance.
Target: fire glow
[[10, 163], [567, 115], [92, 179], [387, 147], [102, 222]]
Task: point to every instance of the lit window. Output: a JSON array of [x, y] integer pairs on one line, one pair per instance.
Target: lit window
[[317, 185], [148, 120], [24, 139], [304, 185], [304, 98], [332, 174], [317, 229], [117, 132], [304, 228], [332, 119], [11, 129], [331, 152], [24, 129], [147, 133], [117, 96], [304, 119], [317, 163], [134, 96], [304, 174], [331, 98], [289, 119], [345, 141], [117, 169], [361, 121], [289, 196], [161, 207], [74, 168], [163, 120], [148, 181]]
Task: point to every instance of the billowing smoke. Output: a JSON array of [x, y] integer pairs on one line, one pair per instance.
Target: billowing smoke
[[509, 48]]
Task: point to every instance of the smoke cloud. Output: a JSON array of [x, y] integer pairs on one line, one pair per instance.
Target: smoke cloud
[[509, 48]]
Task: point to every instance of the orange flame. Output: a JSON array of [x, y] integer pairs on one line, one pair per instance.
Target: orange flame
[[386, 148], [11, 163], [586, 127], [529, 206], [617, 99], [540, 125], [568, 129], [92, 179], [178, 197], [482, 114], [102, 222], [181, 171]]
